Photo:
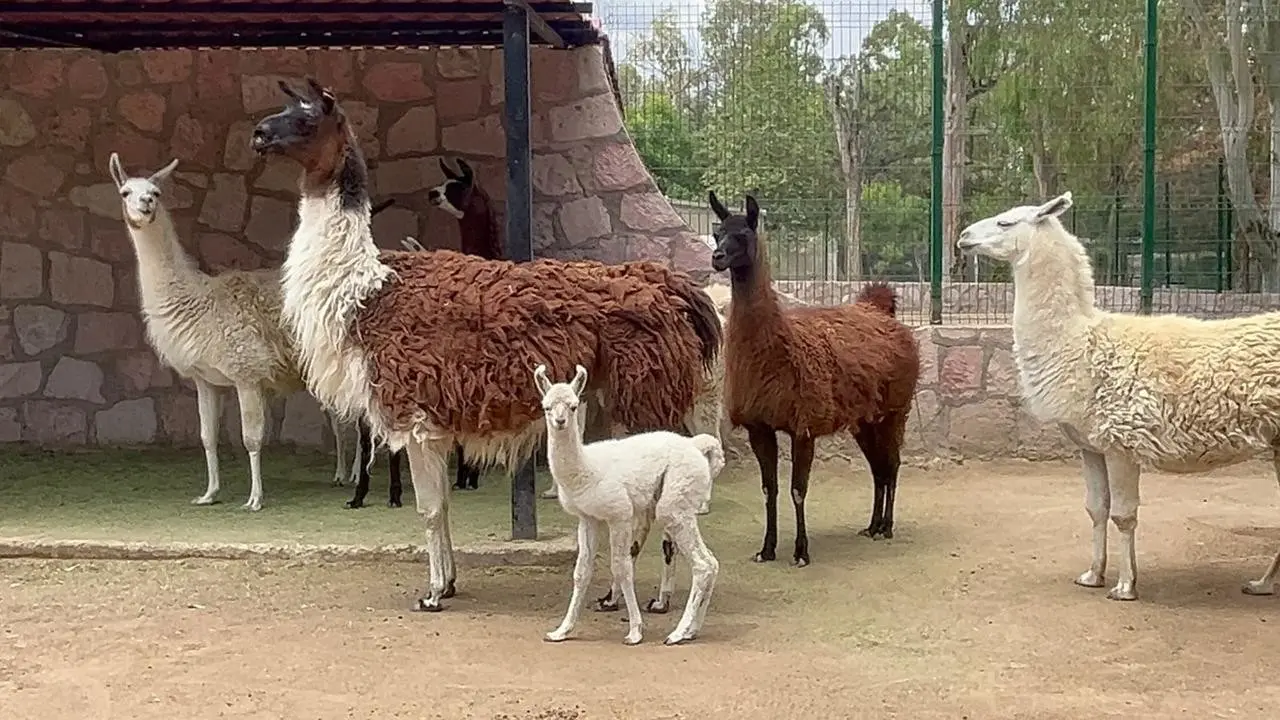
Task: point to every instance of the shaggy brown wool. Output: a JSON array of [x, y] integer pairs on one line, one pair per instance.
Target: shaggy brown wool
[[455, 337]]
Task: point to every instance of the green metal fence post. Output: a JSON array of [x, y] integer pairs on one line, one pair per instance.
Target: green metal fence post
[[935, 201], [1149, 156], [1222, 222]]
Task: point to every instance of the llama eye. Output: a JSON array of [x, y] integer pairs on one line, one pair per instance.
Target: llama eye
[[124, 193], [1005, 223]]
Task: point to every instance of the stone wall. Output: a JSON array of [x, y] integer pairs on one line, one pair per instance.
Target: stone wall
[[966, 405], [994, 301], [74, 365]]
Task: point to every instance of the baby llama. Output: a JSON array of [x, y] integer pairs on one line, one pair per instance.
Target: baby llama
[[811, 372], [1173, 393], [428, 346], [623, 486], [218, 330]]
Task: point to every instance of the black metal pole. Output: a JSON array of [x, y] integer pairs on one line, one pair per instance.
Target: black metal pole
[[515, 73]]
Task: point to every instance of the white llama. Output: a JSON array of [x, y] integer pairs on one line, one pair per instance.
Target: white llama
[[1168, 392], [218, 330], [627, 484]]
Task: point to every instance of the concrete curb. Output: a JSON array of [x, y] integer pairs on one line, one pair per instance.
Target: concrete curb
[[554, 552]]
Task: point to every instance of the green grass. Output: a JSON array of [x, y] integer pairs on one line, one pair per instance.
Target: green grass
[[145, 495]]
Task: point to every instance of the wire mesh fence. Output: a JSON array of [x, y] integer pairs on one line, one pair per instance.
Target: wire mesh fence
[[824, 110]]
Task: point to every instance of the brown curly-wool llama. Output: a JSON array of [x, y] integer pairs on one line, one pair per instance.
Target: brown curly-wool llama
[[811, 372], [435, 347]]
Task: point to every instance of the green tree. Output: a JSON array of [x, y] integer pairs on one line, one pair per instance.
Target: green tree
[[667, 145]]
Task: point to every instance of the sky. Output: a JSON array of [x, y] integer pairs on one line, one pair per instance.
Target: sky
[[848, 21]]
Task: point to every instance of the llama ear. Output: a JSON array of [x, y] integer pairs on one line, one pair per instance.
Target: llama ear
[[540, 379], [117, 172], [1054, 207], [579, 380], [720, 210], [753, 213], [448, 171], [164, 172], [327, 99], [293, 94], [467, 176]]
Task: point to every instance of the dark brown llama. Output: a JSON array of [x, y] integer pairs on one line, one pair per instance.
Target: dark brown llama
[[436, 347], [810, 372]]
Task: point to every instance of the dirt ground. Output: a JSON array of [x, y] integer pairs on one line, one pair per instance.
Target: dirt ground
[[968, 613]]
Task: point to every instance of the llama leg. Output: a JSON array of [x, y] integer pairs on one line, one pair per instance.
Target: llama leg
[[667, 585], [868, 442], [460, 471], [209, 400], [364, 458], [1266, 585], [253, 425], [1122, 478], [339, 450], [623, 568], [426, 469], [1097, 501], [764, 444], [889, 439], [582, 571], [801, 463], [473, 476], [705, 569], [395, 488], [357, 457]]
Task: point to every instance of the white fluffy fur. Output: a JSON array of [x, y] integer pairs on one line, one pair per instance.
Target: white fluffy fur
[[626, 485], [219, 330], [1174, 393]]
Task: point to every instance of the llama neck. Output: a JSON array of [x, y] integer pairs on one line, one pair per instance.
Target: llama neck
[[479, 229], [754, 309], [1053, 291], [566, 457], [163, 266]]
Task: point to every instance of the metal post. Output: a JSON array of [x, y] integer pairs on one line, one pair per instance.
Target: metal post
[[1222, 222], [1168, 235], [935, 215], [1149, 156], [515, 72]]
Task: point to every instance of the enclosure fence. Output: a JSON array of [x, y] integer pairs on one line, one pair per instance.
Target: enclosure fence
[[872, 132]]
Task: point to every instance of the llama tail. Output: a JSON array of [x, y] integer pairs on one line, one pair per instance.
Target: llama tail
[[702, 313], [881, 297], [711, 449]]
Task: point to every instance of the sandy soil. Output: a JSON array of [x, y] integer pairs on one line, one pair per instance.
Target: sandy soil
[[968, 613]]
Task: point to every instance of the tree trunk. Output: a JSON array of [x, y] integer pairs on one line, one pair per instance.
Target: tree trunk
[[843, 92], [954, 141], [1046, 171]]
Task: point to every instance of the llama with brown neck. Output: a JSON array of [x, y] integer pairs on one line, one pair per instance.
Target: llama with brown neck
[[434, 347], [810, 372]]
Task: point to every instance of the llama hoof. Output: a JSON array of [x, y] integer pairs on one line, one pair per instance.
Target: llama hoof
[[549, 494], [1123, 591], [657, 606], [704, 509], [556, 636], [428, 605], [764, 556], [449, 590], [606, 604], [1257, 587], [204, 500], [800, 562], [353, 504], [1091, 579], [678, 638], [393, 503], [252, 505], [632, 638]]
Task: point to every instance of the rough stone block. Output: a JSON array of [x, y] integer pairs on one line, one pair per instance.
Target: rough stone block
[[464, 100], [37, 74], [928, 352], [304, 422], [39, 328], [167, 66], [144, 110], [236, 153], [690, 254], [649, 211], [102, 199], [17, 215], [74, 379], [397, 82], [414, 133], [270, 223], [21, 271], [392, 225], [484, 137], [180, 419], [225, 203], [19, 379], [1002, 374], [63, 227], [131, 422], [364, 121], [1042, 441], [961, 370], [411, 175], [140, 154], [137, 370], [86, 78], [70, 127], [99, 331], [279, 175], [593, 117], [193, 142], [6, 342], [80, 281], [618, 167], [982, 430], [225, 252], [584, 219], [111, 243], [16, 127], [260, 94], [36, 174], [335, 69], [216, 76], [457, 63], [553, 175], [52, 423], [10, 428]]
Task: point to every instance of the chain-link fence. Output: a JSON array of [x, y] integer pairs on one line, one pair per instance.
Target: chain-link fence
[[828, 111]]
